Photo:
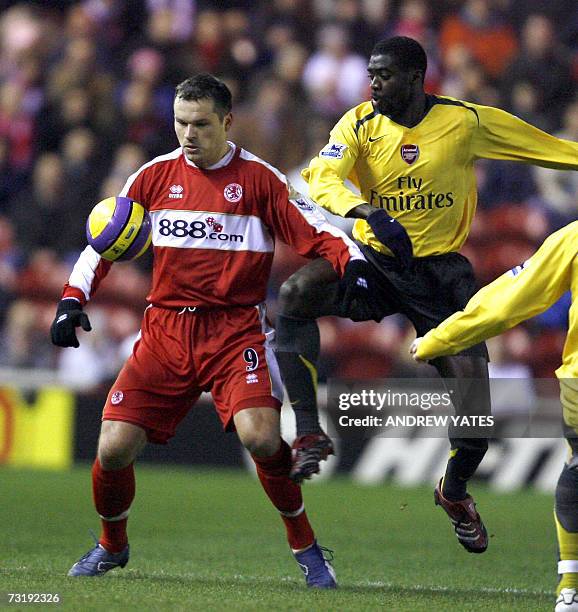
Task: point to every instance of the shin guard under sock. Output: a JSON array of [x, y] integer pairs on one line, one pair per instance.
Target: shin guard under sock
[[113, 492], [285, 495]]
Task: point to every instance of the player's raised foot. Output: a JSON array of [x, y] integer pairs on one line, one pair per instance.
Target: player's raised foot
[[319, 573], [468, 526], [567, 601], [98, 561], [307, 453]]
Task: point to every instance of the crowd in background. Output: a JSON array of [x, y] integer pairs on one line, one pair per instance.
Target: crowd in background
[[86, 92]]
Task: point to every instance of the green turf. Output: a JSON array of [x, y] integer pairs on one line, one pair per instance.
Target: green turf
[[208, 540]]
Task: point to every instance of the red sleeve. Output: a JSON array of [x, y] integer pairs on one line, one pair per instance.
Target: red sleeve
[[299, 223]]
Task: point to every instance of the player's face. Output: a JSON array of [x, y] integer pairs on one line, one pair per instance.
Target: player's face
[[200, 131], [391, 88]]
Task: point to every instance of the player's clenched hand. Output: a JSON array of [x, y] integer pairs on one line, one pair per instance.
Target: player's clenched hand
[[392, 234], [69, 316], [413, 349], [357, 285]]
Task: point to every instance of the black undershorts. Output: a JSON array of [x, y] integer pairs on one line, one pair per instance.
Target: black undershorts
[[429, 293]]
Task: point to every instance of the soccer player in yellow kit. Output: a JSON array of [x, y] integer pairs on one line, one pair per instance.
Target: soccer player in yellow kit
[[411, 154], [519, 294]]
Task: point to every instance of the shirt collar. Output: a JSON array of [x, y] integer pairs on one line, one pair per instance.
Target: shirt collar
[[224, 161]]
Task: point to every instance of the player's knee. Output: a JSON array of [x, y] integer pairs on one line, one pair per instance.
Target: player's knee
[[293, 296], [114, 456], [118, 446], [261, 443], [567, 496]]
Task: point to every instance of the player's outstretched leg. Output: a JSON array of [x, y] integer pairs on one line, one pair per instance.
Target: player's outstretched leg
[[113, 485], [307, 295], [467, 378], [258, 429]]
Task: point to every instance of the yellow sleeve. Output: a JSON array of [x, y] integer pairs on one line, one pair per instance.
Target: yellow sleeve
[[519, 294], [500, 135], [327, 172]]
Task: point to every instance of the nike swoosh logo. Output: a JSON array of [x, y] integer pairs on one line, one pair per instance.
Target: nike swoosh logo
[[378, 138]]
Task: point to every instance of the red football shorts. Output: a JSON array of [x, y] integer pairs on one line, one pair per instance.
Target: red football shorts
[[180, 354]]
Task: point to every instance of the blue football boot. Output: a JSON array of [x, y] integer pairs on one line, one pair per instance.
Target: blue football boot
[[319, 573], [98, 561]]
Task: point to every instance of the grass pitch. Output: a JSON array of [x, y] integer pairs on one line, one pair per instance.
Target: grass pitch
[[209, 540]]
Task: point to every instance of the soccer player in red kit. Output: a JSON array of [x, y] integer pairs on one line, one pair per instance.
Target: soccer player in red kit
[[216, 210]]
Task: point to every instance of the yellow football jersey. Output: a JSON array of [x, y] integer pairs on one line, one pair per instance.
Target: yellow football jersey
[[424, 175], [519, 294]]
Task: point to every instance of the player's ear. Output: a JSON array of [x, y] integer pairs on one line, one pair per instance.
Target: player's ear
[[227, 121], [417, 76]]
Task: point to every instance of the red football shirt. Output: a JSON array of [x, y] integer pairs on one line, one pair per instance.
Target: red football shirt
[[214, 231]]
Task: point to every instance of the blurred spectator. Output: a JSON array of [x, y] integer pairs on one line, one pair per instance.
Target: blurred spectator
[[512, 388], [526, 103], [28, 318], [288, 64], [479, 28], [20, 34], [140, 122], [334, 77], [349, 14], [24, 341], [558, 189], [79, 68], [46, 213], [73, 110], [16, 126], [261, 123], [243, 48], [127, 160], [170, 21], [544, 64], [563, 13], [10, 179], [102, 350], [300, 14], [147, 66], [10, 263], [209, 41], [458, 61], [506, 183], [81, 164]]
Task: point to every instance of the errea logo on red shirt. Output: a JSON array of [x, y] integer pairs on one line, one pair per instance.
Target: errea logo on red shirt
[[176, 192], [233, 192]]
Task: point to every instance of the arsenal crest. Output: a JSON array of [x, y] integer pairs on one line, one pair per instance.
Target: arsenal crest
[[409, 153]]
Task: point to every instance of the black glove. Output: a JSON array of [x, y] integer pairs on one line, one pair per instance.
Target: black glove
[[392, 234], [69, 316], [357, 285]]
